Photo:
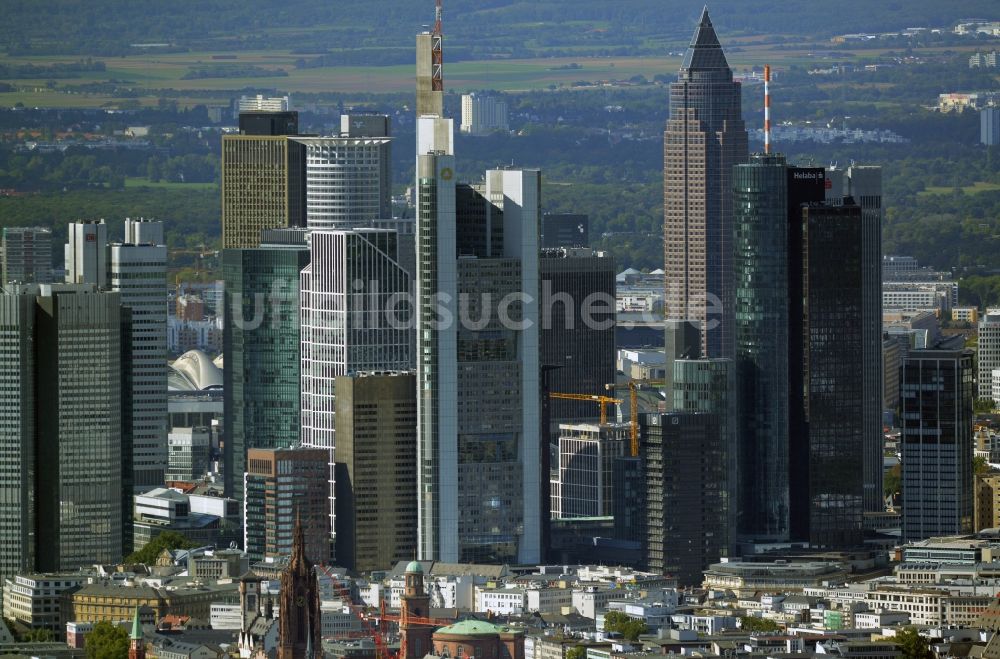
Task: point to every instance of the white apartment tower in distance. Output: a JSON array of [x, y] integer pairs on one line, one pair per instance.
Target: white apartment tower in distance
[[137, 269], [25, 255], [261, 103], [354, 317], [989, 353], [482, 115]]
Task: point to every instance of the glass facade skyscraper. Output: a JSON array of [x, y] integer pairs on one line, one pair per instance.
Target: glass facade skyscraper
[[762, 329], [833, 363], [261, 347], [936, 438], [78, 385], [685, 493]]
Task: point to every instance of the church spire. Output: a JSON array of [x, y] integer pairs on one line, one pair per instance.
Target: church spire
[[298, 543], [136, 644], [705, 51]]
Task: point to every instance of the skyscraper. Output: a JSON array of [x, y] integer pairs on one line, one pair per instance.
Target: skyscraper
[[354, 317], [865, 188], [587, 454], [284, 486], [580, 343], [708, 386], [18, 433], [936, 438], [565, 230], [26, 255], [78, 389], [685, 493], [762, 346], [137, 269], [833, 371], [705, 137], [86, 253], [347, 181], [261, 346], [376, 480], [478, 371], [263, 178], [989, 353]]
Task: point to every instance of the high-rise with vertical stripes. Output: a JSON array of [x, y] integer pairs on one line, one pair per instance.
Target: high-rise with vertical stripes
[[705, 137]]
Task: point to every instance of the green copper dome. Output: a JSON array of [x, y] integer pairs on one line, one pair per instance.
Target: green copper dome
[[415, 566]]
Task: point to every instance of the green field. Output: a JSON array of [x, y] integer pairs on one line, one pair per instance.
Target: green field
[[132, 183], [144, 78], [975, 188]]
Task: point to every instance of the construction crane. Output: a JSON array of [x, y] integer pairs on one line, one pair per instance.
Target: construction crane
[[633, 400], [381, 649], [603, 400], [633, 431]]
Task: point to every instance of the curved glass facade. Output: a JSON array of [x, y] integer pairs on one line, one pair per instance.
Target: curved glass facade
[[761, 328]]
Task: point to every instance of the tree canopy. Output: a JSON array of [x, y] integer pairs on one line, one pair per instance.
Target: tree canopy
[[107, 641], [167, 540], [630, 628]]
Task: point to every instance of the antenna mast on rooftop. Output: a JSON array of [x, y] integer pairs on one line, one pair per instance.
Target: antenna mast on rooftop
[[767, 108], [437, 58]]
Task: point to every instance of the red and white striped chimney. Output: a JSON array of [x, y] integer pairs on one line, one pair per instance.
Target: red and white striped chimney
[[767, 108]]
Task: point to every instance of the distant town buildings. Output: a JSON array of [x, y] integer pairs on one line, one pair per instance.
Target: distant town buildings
[[989, 129], [985, 60]]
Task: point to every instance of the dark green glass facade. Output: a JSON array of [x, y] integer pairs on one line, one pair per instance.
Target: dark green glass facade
[[261, 348], [762, 328]]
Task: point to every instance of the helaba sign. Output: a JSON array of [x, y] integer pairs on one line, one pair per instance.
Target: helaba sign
[[807, 176]]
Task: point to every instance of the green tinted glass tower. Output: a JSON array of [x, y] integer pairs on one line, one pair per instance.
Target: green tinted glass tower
[[261, 348], [762, 336]]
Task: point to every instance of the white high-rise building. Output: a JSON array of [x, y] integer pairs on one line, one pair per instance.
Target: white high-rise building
[[347, 181], [137, 269], [86, 253], [479, 470], [355, 316], [989, 353], [261, 103], [587, 455], [482, 115]]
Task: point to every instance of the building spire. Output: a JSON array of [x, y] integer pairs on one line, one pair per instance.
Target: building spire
[[136, 634], [705, 51], [298, 542]]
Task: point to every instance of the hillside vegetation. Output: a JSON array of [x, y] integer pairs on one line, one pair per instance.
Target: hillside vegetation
[[474, 27]]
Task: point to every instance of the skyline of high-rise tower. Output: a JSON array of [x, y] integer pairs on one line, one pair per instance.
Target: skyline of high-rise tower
[[704, 138]]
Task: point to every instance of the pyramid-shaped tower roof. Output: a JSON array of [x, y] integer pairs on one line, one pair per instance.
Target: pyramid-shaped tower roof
[[705, 51]]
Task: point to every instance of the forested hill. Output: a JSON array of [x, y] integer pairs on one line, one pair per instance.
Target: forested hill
[[497, 27]]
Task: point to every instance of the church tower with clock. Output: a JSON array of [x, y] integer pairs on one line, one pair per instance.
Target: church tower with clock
[[299, 626]]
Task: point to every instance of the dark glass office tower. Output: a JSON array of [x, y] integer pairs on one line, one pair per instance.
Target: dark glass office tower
[[762, 328], [936, 400], [704, 138], [685, 493], [833, 368], [582, 348], [261, 348]]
